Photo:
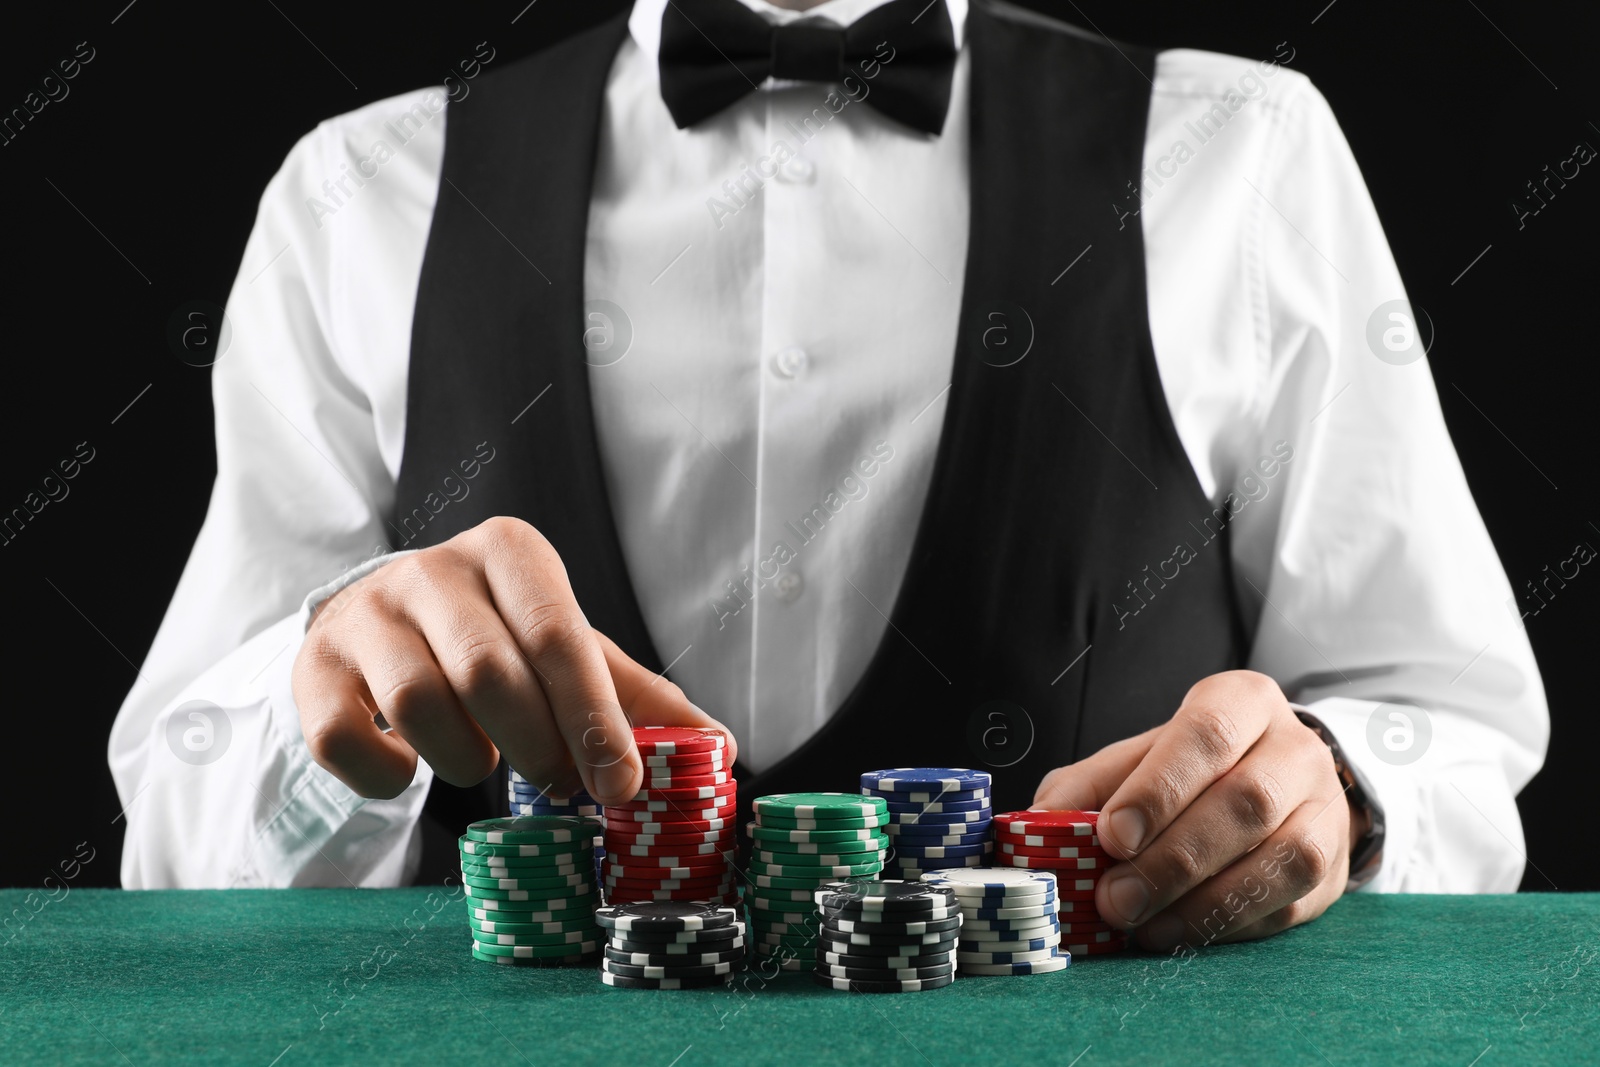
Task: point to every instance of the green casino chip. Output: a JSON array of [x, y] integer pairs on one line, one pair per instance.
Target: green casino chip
[[769, 898], [779, 835], [776, 882], [538, 961], [534, 830], [581, 879], [768, 881], [585, 948], [571, 937], [808, 859], [557, 926], [805, 870], [818, 806], [491, 870], [470, 847], [543, 898], [783, 822], [551, 911], [523, 863], [875, 843]]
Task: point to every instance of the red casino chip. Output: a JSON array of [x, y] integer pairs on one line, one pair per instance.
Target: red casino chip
[[1047, 823], [1082, 929], [1079, 915], [709, 760], [660, 783], [1054, 863], [631, 895], [1098, 948], [726, 900], [676, 740], [1036, 843], [665, 855], [719, 873], [719, 782], [696, 890], [688, 792], [1021, 847], [671, 810], [667, 827], [718, 867], [624, 838], [1082, 895]]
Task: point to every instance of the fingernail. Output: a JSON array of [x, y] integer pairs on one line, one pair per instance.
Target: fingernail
[[615, 780], [1161, 933], [1129, 897], [1127, 828], [717, 724]]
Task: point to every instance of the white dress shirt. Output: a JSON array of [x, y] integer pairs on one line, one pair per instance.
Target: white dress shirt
[[824, 304]]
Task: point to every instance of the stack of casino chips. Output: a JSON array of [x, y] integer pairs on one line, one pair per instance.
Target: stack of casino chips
[[1009, 923], [670, 945], [938, 817], [886, 936], [676, 839], [800, 841], [530, 890], [528, 799], [1066, 844]]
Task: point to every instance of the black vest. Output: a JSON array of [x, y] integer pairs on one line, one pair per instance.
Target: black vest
[[1062, 501]]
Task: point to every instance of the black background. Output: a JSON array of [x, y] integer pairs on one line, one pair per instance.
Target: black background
[[168, 136]]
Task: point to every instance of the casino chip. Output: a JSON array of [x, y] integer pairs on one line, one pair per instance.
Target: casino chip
[[885, 936], [1009, 923], [858, 985], [938, 817], [1067, 844], [670, 945], [803, 841], [943, 780], [665, 918], [674, 841], [1059, 962], [530, 883], [818, 806], [656, 741]]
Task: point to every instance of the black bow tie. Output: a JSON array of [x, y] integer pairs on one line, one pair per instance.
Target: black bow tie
[[897, 57]]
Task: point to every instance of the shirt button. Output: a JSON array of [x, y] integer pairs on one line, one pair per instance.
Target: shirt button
[[797, 171], [790, 362], [788, 586]]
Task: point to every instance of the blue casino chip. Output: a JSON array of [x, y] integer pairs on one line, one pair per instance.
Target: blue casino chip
[[924, 780]]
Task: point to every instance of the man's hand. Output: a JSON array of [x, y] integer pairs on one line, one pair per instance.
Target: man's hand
[[470, 649], [1231, 818]]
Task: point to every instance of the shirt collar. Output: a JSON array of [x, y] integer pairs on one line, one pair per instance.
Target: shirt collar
[[645, 22]]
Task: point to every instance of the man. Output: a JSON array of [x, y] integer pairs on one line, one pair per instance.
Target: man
[[918, 384]]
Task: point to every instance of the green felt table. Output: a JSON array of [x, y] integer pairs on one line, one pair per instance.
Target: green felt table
[[289, 977]]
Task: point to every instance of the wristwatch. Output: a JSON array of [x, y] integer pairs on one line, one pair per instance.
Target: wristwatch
[[1366, 855]]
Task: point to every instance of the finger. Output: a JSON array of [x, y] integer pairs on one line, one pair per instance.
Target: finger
[[1085, 785], [530, 592], [1292, 878], [412, 693], [484, 698], [649, 699], [338, 717], [1233, 815], [1218, 722]]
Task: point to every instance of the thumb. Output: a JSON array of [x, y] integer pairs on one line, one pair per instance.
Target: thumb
[[1089, 783], [649, 699]]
